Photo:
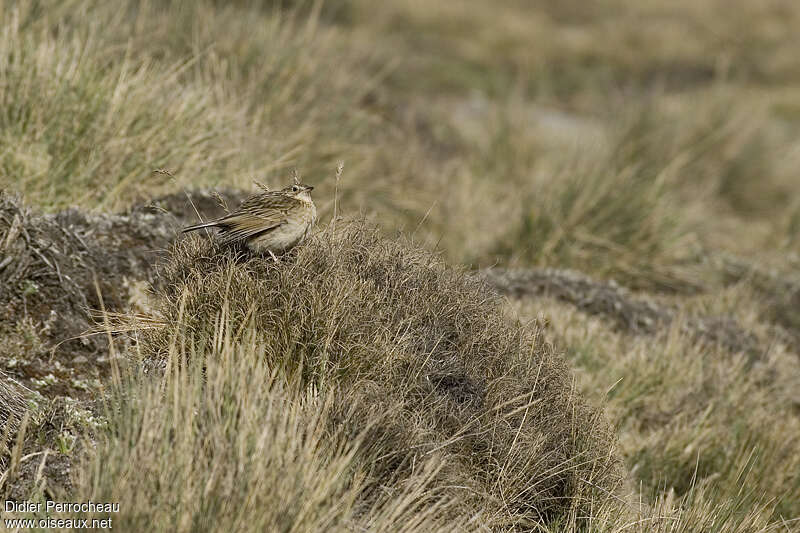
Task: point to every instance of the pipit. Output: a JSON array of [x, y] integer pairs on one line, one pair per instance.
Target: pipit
[[270, 222]]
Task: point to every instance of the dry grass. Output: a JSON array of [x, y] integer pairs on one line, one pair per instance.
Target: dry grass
[[609, 157], [12, 410], [392, 330], [90, 112], [653, 143], [723, 423], [226, 442]]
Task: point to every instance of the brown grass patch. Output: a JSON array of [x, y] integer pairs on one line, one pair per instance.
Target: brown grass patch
[[394, 330]]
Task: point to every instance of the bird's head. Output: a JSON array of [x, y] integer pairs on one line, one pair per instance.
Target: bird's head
[[299, 191]]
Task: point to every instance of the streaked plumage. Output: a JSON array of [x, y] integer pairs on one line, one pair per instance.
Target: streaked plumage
[[269, 222]]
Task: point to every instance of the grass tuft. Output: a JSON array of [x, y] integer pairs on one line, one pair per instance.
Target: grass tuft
[[225, 441], [393, 330]]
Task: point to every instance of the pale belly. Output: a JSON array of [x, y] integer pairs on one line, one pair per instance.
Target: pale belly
[[285, 236]]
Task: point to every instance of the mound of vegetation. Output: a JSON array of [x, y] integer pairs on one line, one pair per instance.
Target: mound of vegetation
[[413, 360]]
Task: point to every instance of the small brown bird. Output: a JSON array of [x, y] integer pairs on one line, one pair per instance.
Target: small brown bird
[[269, 222]]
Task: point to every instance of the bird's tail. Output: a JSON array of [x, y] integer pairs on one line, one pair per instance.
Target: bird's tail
[[200, 226]]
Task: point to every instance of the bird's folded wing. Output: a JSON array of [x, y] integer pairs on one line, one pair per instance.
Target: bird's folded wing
[[245, 226]]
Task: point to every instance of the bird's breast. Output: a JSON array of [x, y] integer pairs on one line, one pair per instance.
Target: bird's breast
[[291, 232]]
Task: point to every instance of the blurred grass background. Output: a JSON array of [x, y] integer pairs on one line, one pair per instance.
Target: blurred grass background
[[624, 139], [654, 142]]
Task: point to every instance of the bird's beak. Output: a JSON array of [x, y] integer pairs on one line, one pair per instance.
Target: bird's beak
[[309, 188]]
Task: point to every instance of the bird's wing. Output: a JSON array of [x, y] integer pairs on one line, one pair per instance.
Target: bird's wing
[[202, 225], [245, 225], [256, 216]]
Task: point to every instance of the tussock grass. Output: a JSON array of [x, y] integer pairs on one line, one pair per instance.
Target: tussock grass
[[616, 218], [723, 425], [393, 330], [90, 108], [225, 441], [653, 205], [85, 127]]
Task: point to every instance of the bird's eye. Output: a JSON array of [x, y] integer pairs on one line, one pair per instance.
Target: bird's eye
[[295, 188]]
